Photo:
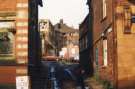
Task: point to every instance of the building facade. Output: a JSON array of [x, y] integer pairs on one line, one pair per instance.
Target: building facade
[[85, 39], [13, 39], [113, 33], [71, 46], [47, 37], [15, 49], [66, 37]]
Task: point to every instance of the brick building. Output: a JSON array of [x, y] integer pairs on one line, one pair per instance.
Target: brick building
[[12, 24], [65, 36], [48, 37], [113, 33], [85, 40], [71, 47], [16, 28]]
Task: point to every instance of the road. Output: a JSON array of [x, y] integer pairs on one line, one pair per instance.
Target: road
[[61, 76]]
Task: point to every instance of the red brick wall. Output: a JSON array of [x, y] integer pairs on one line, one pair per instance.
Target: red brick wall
[[7, 74], [99, 26], [100, 23], [7, 5], [96, 18]]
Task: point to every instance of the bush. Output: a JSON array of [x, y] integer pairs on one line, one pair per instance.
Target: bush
[[107, 85], [7, 86]]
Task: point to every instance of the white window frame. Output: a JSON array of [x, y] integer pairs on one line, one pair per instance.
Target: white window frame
[[104, 8], [105, 53]]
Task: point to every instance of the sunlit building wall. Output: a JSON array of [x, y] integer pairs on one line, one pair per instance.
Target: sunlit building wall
[[113, 39]]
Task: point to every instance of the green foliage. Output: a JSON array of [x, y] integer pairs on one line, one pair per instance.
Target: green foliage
[[107, 85], [7, 86]]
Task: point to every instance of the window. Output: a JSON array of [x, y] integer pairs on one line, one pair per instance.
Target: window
[[96, 56], [127, 19], [104, 8], [7, 43], [83, 43], [105, 52]]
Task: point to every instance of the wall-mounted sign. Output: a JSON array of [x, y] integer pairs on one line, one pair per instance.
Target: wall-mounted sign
[[22, 82]]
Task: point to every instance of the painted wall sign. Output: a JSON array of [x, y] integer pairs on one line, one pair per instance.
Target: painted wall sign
[[22, 82]]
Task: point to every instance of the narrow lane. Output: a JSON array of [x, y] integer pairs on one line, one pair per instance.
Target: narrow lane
[[61, 76]]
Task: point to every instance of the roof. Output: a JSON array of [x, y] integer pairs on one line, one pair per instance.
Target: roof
[[65, 29], [84, 21]]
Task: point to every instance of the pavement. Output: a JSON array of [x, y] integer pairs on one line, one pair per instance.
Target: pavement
[[61, 75], [93, 84], [58, 75]]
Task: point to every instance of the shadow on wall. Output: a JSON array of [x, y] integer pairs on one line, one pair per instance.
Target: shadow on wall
[[127, 83], [87, 63], [132, 1]]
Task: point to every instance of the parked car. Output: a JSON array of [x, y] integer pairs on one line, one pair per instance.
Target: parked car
[[50, 58]]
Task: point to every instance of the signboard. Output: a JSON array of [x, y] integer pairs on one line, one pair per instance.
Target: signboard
[[22, 82]]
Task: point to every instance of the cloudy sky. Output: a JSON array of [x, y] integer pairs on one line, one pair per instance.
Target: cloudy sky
[[71, 11]]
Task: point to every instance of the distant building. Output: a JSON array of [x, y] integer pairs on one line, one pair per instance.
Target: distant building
[[85, 41], [65, 38], [113, 41], [47, 37]]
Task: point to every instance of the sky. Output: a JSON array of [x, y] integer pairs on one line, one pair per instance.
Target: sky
[[72, 12]]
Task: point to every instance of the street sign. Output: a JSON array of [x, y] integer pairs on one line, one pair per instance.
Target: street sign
[[22, 82]]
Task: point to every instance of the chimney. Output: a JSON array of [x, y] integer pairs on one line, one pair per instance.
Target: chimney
[[61, 21]]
